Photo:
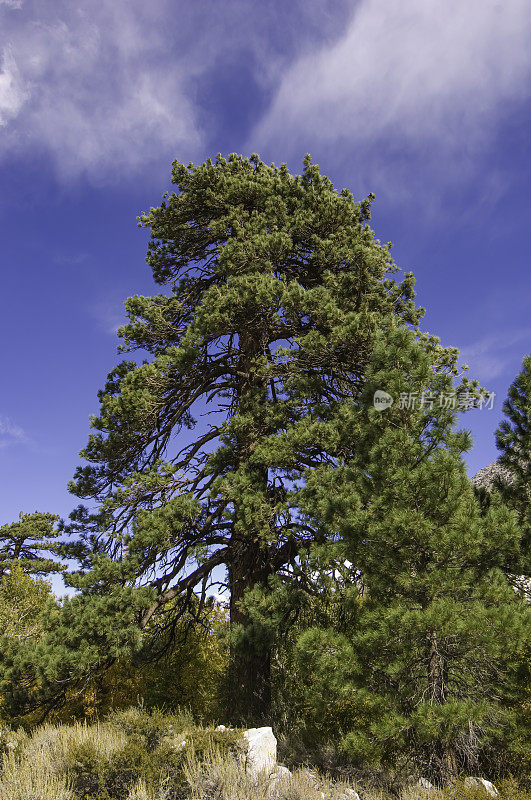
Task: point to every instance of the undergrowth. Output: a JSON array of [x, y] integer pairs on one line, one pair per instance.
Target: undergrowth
[[135, 755]]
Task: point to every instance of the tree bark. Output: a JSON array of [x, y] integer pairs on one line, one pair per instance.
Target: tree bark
[[250, 658], [437, 691], [250, 563]]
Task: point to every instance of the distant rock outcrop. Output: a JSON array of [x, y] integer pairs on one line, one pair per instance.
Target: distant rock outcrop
[[484, 479]]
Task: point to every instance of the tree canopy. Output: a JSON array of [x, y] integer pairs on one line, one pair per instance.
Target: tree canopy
[[29, 542], [275, 286], [241, 445]]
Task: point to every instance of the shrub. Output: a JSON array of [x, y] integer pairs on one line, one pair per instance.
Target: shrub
[[31, 781], [150, 726], [132, 752]]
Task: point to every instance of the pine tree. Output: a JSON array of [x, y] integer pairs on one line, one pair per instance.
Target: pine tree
[[513, 439], [23, 603], [439, 628], [28, 543], [274, 289]]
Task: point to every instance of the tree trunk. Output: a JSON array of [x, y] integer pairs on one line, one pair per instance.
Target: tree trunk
[[249, 684], [445, 758], [250, 658]]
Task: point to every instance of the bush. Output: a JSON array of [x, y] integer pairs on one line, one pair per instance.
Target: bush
[[136, 755], [152, 757], [87, 772], [132, 754], [31, 780], [150, 726], [508, 790]]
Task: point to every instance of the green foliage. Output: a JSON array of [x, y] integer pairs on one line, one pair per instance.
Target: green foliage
[[94, 777], [25, 604], [275, 288], [513, 439], [22, 603], [149, 726], [187, 672], [437, 636], [180, 668], [28, 542]]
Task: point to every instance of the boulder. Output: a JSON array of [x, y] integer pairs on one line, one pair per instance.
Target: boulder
[[489, 787], [261, 751], [277, 778], [280, 773]]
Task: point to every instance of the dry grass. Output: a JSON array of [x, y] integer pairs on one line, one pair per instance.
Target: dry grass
[[139, 792], [37, 769], [219, 778], [31, 781], [42, 767], [51, 745]]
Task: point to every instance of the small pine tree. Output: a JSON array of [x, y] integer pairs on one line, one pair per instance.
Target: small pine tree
[[23, 603], [513, 439], [437, 630], [29, 542]]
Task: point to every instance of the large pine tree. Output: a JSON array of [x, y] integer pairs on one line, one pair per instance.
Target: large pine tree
[[273, 289]]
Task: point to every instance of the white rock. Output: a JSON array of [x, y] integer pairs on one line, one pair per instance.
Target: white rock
[[261, 751], [487, 785], [350, 794], [277, 778], [425, 784], [221, 728], [280, 772]]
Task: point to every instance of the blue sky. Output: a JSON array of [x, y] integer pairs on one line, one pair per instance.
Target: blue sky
[[427, 103]]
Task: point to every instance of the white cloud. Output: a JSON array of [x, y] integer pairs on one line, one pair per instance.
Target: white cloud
[[492, 356], [10, 433], [11, 3], [99, 88], [430, 77], [13, 93]]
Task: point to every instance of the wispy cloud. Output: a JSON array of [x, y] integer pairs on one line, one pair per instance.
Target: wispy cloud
[[98, 86], [70, 258], [428, 77], [492, 356], [108, 88], [10, 433], [108, 315], [13, 93]]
